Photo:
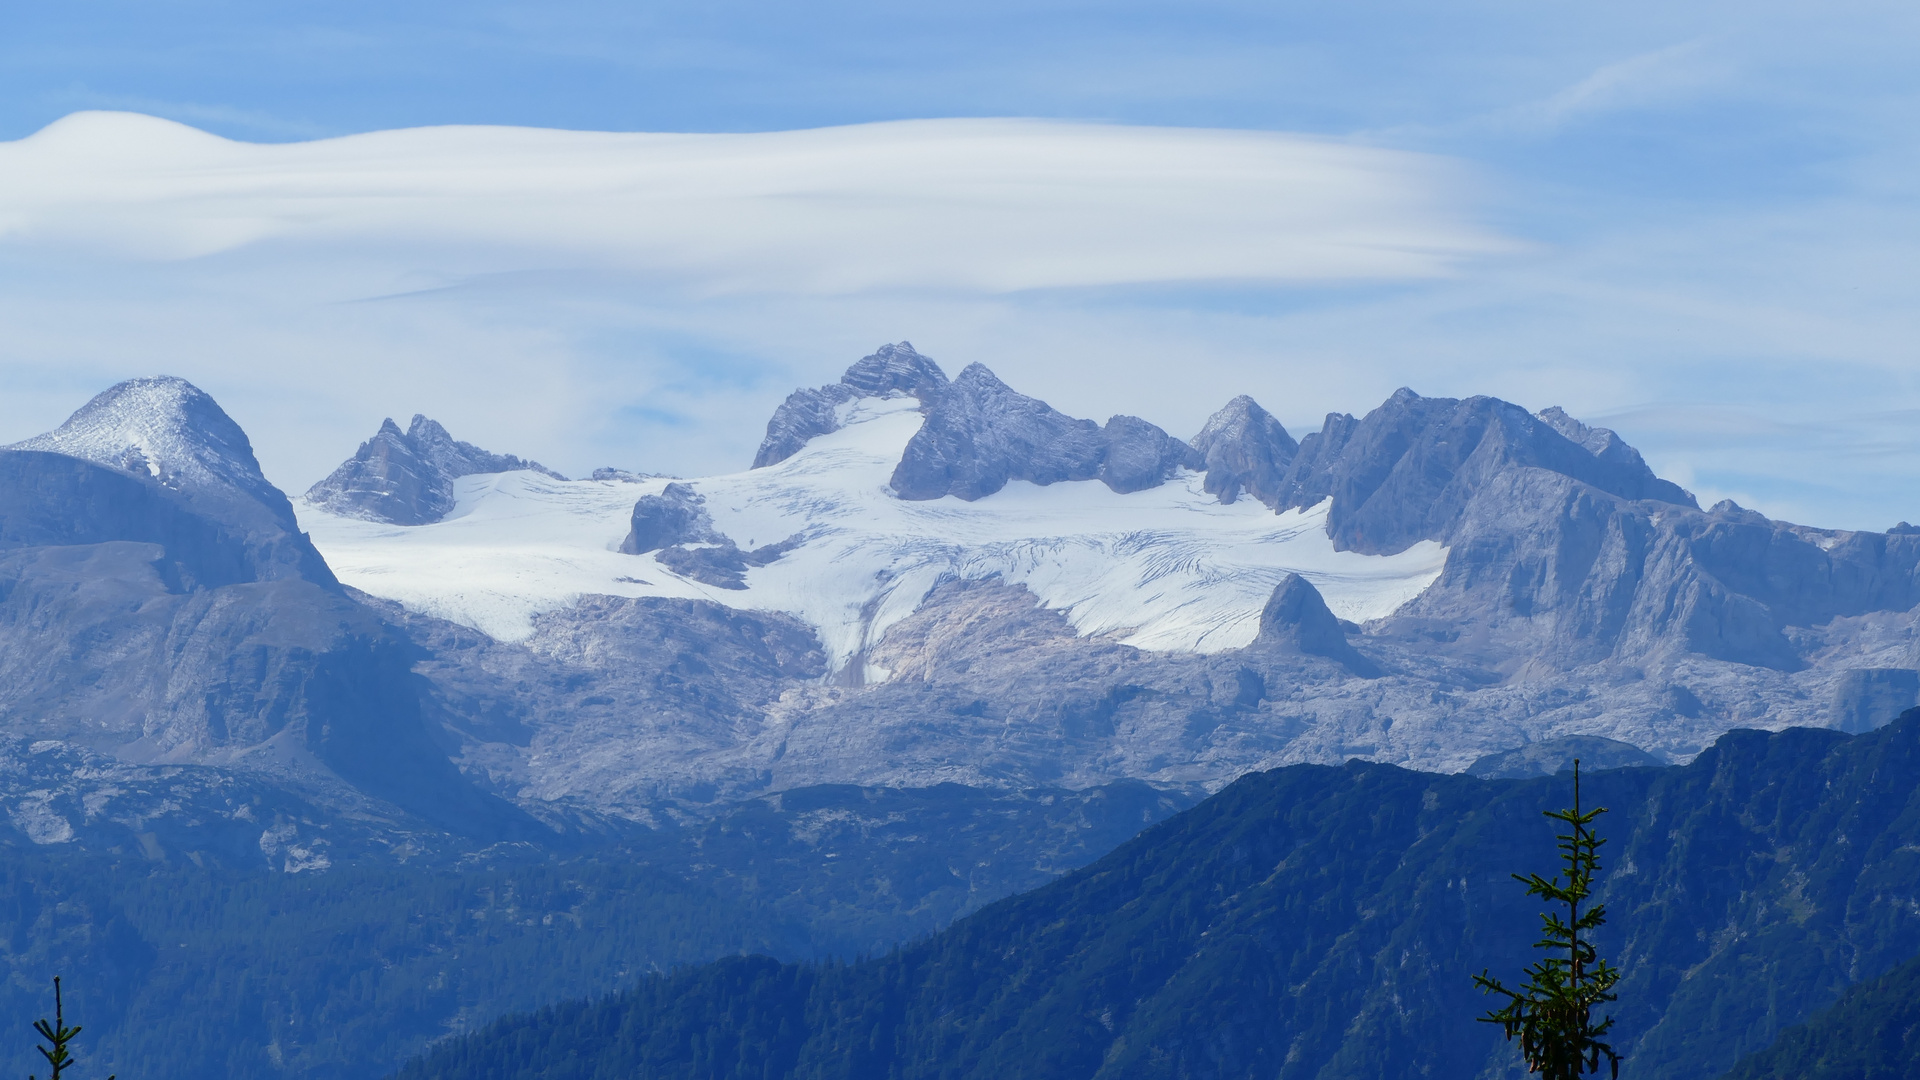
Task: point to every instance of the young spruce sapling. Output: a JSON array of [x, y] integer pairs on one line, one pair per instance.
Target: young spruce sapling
[[1553, 1013]]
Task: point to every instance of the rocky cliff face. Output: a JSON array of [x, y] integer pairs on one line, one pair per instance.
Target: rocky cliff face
[[1581, 596], [169, 612], [678, 515], [981, 433], [164, 608], [807, 414], [1407, 470], [406, 477], [1296, 619], [1546, 569], [1243, 449], [164, 429], [1564, 548]]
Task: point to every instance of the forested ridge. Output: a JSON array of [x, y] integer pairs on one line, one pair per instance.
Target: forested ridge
[[180, 970], [1323, 921], [1871, 1033]]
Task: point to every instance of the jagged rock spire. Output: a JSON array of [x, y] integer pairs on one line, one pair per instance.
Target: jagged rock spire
[[1243, 448], [406, 478]]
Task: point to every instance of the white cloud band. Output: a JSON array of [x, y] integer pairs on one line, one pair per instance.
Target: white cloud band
[[974, 205]]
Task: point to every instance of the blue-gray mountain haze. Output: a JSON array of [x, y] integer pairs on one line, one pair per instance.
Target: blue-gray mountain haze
[[183, 679]]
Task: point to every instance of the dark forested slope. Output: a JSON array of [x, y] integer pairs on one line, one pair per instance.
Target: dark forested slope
[[1871, 1033], [183, 967], [1323, 921]]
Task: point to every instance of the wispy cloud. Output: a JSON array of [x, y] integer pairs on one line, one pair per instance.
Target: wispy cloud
[[1659, 77]]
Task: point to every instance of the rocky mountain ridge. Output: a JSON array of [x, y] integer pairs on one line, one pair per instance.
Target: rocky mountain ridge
[[1581, 596], [406, 477], [160, 607], [1578, 595]]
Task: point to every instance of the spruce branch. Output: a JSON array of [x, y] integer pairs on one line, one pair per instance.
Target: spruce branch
[[57, 1033]]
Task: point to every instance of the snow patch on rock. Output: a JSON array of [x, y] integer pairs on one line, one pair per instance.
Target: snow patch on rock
[[164, 428]]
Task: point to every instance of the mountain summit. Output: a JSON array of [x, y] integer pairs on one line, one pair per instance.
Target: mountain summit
[[807, 414], [1003, 590], [162, 428], [406, 477]]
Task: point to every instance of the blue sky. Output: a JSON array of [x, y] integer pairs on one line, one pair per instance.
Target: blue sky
[[1710, 213]]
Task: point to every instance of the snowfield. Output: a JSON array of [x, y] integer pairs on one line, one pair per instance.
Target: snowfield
[[1169, 568]]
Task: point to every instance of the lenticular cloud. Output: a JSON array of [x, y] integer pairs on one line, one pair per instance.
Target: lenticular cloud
[[978, 205]]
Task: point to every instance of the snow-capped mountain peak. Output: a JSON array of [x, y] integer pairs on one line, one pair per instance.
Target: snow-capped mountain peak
[[823, 536], [163, 428], [891, 371]]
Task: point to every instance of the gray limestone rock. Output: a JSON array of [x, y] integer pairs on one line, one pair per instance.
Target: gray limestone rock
[[1296, 618], [1243, 448], [1546, 570], [807, 414], [981, 433], [721, 565], [616, 703], [1309, 478], [200, 540], [1869, 698], [609, 474], [1406, 470], [406, 478], [1551, 757], [163, 429], [1602, 443], [1140, 455], [156, 460], [978, 433], [174, 613], [1565, 550], [166, 615], [675, 526], [678, 515]]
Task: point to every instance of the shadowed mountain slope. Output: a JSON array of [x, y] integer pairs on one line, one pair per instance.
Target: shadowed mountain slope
[[185, 967], [1322, 922], [1871, 1033], [159, 604]]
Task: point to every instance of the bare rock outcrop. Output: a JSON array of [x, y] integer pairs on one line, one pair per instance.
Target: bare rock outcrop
[[1243, 449], [678, 515], [406, 477], [1297, 619], [809, 413], [167, 609], [1869, 698], [980, 433]]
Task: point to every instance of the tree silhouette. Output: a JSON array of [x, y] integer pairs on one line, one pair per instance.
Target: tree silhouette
[[1553, 1013], [57, 1033]]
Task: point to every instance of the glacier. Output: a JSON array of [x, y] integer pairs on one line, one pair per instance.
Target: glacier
[[1169, 568]]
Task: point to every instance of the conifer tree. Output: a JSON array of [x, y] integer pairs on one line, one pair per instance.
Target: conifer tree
[[1552, 1014], [57, 1033]]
